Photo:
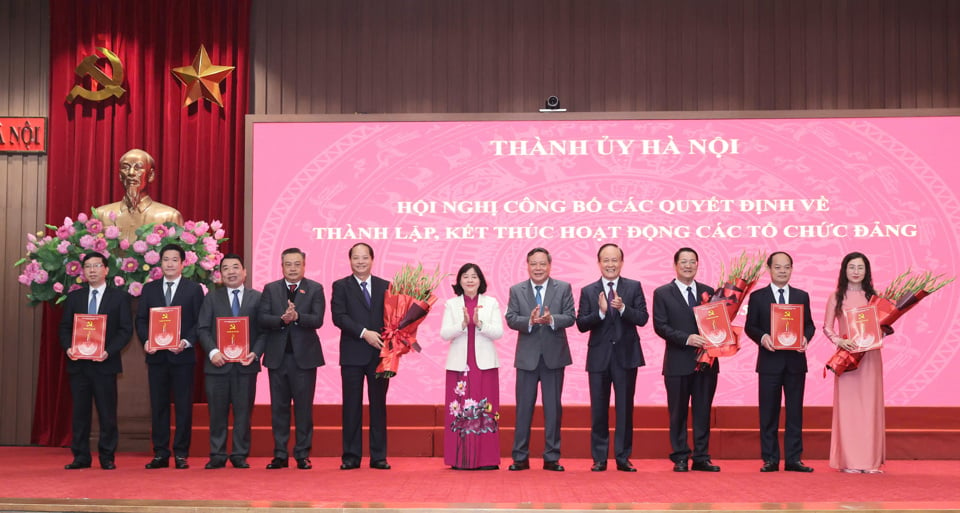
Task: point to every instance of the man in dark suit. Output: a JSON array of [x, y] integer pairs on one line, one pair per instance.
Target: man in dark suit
[[357, 308], [291, 311], [673, 320], [780, 373], [540, 309], [95, 381], [170, 371], [230, 383], [611, 309]]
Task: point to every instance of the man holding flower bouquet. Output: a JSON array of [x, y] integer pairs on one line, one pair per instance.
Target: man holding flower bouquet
[[674, 321], [357, 308]]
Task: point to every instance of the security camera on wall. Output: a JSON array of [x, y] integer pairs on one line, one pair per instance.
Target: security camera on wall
[[552, 105]]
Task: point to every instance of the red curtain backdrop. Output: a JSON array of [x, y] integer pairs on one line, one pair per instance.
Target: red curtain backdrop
[[198, 150]]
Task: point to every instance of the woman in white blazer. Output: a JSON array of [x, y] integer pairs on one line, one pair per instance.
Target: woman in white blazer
[[472, 322]]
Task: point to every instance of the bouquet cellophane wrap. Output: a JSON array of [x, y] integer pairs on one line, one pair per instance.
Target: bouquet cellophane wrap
[[402, 315]]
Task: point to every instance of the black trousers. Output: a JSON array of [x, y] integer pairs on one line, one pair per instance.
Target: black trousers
[[88, 388], [351, 379], [291, 383], [696, 390]]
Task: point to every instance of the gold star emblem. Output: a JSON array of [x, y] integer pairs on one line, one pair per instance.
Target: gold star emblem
[[202, 78]]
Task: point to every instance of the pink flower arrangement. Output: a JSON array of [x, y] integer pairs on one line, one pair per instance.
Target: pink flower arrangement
[[94, 226], [129, 265], [151, 257], [73, 268], [52, 268]]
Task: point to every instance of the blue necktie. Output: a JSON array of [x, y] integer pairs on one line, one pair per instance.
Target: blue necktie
[[235, 306], [92, 307], [782, 300], [366, 293], [692, 301], [539, 297]]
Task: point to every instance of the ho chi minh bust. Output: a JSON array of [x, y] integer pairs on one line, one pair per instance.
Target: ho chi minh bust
[[136, 208]]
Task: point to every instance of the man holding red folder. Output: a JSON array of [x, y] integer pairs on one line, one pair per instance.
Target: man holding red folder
[[230, 383], [782, 372], [170, 371], [95, 381]]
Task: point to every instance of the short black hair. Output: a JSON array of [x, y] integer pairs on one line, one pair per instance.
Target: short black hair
[[784, 253], [540, 250], [609, 245], [676, 256], [458, 290], [103, 258], [232, 256], [292, 251], [174, 247], [370, 249]]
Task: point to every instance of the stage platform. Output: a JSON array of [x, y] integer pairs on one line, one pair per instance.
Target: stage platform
[[926, 433], [32, 479]]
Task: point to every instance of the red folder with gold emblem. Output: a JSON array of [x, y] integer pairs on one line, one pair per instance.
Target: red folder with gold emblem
[[714, 325], [89, 336], [786, 326], [164, 328], [863, 328], [233, 338]]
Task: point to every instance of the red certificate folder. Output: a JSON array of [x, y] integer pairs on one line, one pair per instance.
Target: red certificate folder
[[714, 325], [863, 328], [233, 338], [89, 336], [786, 326], [164, 328]]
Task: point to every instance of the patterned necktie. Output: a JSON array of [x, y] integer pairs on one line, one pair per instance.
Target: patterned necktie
[[92, 307], [168, 297], [610, 293], [539, 297], [366, 292], [235, 306], [782, 300], [692, 301]]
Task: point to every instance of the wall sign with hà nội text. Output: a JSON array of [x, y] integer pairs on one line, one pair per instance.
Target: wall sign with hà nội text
[[23, 135]]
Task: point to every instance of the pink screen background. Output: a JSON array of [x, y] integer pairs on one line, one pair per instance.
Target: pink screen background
[[898, 172]]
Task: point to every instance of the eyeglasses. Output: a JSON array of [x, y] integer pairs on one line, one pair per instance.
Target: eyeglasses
[[92, 266]]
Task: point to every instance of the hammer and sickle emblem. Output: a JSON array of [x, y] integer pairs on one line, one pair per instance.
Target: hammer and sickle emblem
[[111, 85]]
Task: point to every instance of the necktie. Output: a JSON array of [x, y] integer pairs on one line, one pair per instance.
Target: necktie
[[539, 297], [293, 288], [92, 307], [782, 300], [235, 306], [169, 295], [610, 292], [692, 301], [366, 292]]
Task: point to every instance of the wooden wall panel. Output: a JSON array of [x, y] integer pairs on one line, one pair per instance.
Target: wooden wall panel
[[24, 36], [377, 56]]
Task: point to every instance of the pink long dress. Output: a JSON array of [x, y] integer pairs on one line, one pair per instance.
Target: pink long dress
[[857, 438]]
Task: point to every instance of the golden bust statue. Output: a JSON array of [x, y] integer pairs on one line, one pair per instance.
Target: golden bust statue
[[136, 208]]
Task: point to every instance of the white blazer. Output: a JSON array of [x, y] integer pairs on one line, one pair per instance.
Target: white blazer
[[451, 329]]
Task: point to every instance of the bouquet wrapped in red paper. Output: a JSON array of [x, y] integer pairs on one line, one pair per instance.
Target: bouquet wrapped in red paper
[[732, 290], [405, 306], [903, 293]]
